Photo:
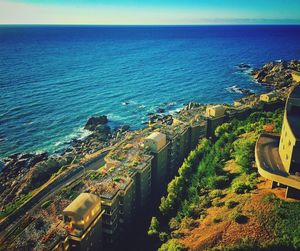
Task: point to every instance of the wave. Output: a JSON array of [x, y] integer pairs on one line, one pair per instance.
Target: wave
[[234, 89], [239, 90], [80, 134]]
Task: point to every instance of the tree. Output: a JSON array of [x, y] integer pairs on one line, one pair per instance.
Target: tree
[[154, 227]]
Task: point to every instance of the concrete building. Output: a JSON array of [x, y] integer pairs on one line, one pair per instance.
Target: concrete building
[[268, 97], [198, 130], [278, 158], [296, 76], [83, 220], [157, 143], [215, 111], [289, 148]]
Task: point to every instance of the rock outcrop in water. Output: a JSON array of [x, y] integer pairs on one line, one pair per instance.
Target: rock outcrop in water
[[277, 74], [94, 122]]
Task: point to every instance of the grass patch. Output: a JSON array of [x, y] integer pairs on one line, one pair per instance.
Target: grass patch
[[283, 222], [11, 207]]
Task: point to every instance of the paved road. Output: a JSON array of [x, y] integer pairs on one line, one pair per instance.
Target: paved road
[[12, 221]]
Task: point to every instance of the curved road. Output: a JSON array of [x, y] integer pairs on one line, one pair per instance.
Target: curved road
[[269, 163]]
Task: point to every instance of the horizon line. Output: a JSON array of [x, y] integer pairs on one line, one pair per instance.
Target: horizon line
[[155, 24]]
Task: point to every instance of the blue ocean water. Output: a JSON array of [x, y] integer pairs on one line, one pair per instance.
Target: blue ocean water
[[53, 78]]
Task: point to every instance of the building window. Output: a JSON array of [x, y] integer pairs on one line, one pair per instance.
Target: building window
[[283, 147], [290, 143], [287, 157]]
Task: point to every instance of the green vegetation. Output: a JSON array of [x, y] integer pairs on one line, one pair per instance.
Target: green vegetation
[[284, 222], [171, 245], [177, 187], [11, 207], [244, 183], [231, 204], [154, 227], [201, 180]]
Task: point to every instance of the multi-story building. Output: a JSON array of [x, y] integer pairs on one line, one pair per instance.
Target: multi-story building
[[83, 220], [157, 143], [289, 148]]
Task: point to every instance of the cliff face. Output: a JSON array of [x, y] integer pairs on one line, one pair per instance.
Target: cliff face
[[277, 74]]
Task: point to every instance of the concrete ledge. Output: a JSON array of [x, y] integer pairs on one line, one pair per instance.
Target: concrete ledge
[[269, 163]]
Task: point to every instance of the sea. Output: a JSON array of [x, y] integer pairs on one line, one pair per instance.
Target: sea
[[53, 78]]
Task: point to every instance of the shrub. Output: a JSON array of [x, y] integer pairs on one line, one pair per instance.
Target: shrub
[[231, 204], [240, 187], [163, 236], [222, 182], [244, 184], [238, 217], [188, 223], [172, 245], [216, 194], [217, 220], [174, 224], [270, 198], [218, 203]]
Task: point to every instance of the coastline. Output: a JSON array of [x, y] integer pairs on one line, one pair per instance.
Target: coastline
[[24, 163], [190, 115]]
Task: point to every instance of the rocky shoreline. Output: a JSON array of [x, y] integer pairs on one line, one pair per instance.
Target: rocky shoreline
[[21, 173], [277, 74]]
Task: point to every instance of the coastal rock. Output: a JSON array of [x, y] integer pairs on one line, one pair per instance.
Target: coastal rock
[[103, 129], [244, 66], [277, 74], [94, 121], [192, 105], [124, 128], [160, 110], [18, 161], [2, 164]]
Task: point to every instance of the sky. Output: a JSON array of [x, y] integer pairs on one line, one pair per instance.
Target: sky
[[117, 12]]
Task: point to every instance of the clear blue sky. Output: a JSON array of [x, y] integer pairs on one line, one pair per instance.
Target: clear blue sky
[[150, 11]]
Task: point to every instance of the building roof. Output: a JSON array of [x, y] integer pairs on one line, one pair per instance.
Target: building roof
[[157, 137], [217, 107], [82, 204]]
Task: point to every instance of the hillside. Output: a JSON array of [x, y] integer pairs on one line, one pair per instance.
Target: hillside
[[218, 201]]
